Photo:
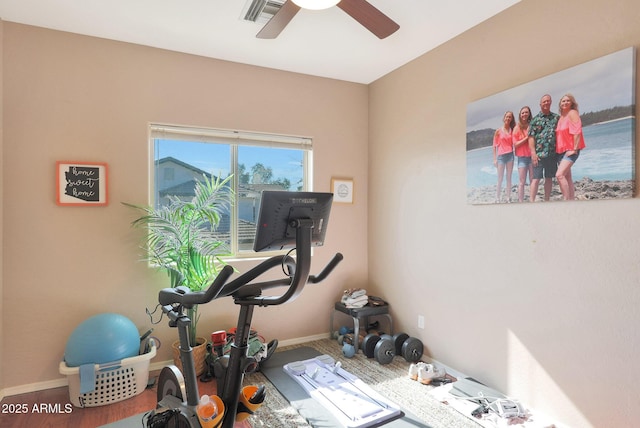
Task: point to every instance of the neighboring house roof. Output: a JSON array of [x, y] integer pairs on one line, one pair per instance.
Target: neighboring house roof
[[246, 231], [187, 188], [170, 159], [183, 189], [254, 189]]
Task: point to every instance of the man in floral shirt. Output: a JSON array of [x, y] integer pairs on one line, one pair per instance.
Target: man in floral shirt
[[542, 141]]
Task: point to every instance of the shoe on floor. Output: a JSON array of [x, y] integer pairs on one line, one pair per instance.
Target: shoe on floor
[[414, 368], [429, 372]]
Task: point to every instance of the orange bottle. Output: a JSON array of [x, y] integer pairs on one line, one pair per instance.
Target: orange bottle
[[207, 412]]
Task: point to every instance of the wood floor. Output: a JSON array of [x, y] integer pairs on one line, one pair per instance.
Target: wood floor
[[52, 408]]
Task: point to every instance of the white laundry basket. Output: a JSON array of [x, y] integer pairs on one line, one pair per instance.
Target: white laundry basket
[[114, 381]]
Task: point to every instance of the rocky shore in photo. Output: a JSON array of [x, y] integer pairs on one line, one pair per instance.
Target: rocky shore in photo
[[585, 189]]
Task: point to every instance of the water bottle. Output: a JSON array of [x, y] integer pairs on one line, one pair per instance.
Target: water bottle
[[207, 412]]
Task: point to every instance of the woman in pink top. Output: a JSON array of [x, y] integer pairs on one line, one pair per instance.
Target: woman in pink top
[[523, 152], [503, 154], [569, 142]]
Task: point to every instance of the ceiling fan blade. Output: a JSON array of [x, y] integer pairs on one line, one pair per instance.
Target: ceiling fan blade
[[370, 17], [276, 24]]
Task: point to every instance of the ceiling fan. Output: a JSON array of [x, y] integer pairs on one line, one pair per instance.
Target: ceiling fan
[[360, 10]]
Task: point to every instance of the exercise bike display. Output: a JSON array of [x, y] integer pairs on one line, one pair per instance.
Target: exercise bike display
[[286, 220]]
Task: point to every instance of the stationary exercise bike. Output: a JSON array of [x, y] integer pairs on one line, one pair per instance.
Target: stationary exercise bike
[[286, 220]]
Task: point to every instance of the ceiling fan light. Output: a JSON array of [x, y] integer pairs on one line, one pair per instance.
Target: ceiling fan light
[[316, 4]]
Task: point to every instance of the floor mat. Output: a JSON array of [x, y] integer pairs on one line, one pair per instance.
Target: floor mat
[[309, 408]]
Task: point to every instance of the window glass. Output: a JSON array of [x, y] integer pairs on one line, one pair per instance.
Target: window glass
[[258, 162]]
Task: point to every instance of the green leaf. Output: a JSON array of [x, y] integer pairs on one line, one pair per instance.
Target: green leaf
[[181, 236]]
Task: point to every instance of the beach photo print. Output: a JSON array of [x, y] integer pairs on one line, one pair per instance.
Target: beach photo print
[[581, 123]]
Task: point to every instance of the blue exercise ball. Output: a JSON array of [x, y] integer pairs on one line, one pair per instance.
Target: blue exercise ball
[[101, 339]]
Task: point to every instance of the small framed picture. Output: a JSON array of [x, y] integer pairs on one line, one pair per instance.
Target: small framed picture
[[342, 189], [81, 183]]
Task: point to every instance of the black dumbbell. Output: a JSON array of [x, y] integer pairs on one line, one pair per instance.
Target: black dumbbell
[[412, 349], [380, 347], [384, 347]]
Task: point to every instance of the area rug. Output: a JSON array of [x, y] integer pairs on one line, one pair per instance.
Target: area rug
[[390, 380], [308, 407]]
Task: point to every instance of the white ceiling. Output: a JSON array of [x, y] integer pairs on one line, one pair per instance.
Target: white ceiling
[[326, 43]]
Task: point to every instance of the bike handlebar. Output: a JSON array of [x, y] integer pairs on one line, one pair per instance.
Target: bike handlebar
[[327, 269], [187, 298], [243, 290]]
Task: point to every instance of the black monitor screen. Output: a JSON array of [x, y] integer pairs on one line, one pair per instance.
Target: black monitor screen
[[279, 208]]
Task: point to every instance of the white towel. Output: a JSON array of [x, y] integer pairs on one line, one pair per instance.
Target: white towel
[[355, 292], [356, 300]]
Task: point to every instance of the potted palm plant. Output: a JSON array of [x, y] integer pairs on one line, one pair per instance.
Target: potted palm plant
[[182, 239]]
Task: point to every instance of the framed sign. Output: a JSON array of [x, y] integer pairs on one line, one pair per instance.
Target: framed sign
[[342, 189], [81, 183]]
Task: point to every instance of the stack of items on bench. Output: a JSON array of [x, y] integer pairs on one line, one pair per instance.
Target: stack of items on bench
[[355, 298]]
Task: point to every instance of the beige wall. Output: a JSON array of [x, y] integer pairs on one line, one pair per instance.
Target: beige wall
[[1, 212], [498, 303], [69, 97], [539, 301]]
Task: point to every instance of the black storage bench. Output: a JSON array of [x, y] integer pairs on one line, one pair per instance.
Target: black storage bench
[[358, 314]]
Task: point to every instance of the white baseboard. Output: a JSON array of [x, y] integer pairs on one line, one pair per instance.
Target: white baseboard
[[449, 370], [33, 387], [300, 340], [158, 365]]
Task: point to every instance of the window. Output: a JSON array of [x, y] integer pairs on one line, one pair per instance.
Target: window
[[258, 162]]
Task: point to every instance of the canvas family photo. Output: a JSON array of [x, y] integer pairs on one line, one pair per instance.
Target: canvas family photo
[[566, 136]]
